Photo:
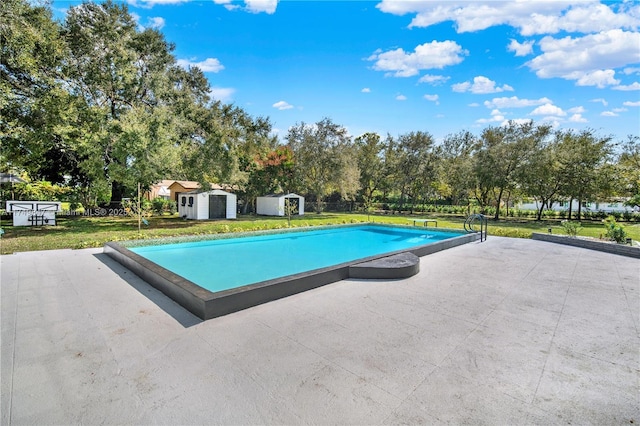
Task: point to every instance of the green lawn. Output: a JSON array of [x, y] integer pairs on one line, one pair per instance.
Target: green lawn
[[84, 231]]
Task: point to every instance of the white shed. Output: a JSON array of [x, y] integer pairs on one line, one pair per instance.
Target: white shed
[[274, 204], [214, 204]]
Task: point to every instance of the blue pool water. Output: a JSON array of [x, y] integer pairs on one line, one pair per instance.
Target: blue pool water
[[223, 264]]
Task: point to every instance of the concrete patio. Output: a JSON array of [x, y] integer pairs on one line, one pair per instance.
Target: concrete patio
[[507, 331]]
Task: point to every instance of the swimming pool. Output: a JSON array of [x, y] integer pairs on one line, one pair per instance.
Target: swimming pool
[[218, 276]]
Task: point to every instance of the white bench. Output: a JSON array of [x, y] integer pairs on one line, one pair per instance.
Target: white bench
[[424, 221]]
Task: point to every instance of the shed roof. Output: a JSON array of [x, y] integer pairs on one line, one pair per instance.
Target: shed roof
[[282, 195]]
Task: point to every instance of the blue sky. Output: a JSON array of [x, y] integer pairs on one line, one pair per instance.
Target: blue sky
[[398, 66]]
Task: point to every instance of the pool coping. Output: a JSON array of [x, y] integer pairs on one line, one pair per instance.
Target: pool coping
[[604, 246], [207, 305]]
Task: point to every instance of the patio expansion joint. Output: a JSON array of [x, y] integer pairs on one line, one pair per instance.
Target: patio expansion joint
[[555, 329], [13, 348], [626, 297]]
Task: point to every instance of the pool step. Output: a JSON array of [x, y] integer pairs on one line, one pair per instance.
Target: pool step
[[401, 265]]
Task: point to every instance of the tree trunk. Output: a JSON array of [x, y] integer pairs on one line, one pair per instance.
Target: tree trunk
[[579, 208], [117, 191], [245, 207], [318, 204], [497, 215], [570, 208], [541, 210]]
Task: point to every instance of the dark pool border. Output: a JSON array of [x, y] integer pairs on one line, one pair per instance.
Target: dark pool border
[[620, 249], [206, 304]]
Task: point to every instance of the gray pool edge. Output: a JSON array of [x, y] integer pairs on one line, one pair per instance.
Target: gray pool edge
[[207, 305], [607, 247]]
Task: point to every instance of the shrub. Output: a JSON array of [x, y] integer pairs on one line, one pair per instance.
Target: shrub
[[571, 228], [614, 232], [162, 205], [510, 232]]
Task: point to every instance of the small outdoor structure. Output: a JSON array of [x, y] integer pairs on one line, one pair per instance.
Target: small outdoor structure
[[275, 204], [214, 204], [33, 213], [160, 190], [179, 186]]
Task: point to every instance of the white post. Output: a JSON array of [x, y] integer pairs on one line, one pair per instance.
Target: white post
[[139, 210]]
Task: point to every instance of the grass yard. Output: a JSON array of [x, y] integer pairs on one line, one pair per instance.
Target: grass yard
[[85, 231]]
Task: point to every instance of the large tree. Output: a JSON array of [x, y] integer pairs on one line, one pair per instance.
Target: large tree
[[628, 170], [317, 149], [504, 151], [455, 167], [582, 156], [120, 77], [416, 167], [369, 150], [33, 102], [541, 176]]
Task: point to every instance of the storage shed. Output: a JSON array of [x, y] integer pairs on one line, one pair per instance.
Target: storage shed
[[214, 204], [274, 204]]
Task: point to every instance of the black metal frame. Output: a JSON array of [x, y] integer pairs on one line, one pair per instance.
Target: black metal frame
[[469, 225]]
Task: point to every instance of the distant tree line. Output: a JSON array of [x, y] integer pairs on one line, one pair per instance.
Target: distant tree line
[[95, 105]]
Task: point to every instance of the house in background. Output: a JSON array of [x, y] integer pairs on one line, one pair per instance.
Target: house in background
[[160, 190], [274, 204], [179, 186], [213, 204], [618, 206]]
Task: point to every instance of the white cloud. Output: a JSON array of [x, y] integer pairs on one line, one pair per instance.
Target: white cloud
[[608, 114], [600, 100], [366, 90], [577, 118], [259, 6], [227, 4], [583, 58], [599, 78], [434, 55], [152, 22], [549, 109], [148, 4], [401, 98], [208, 65], [520, 49], [223, 94], [515, 102], [577, 110], [530, 17], [496, 116], [433, 98], [253, 6], [433, 79], [631, 104], [631, 70], [480, 85], [282, 105], [156, 22], [628, 88], [551, 120], [620, 109]]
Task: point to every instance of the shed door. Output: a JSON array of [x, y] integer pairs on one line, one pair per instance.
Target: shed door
[[217, 206], [294, 204]]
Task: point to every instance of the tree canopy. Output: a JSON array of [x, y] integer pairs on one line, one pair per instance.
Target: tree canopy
[[94, 105]]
